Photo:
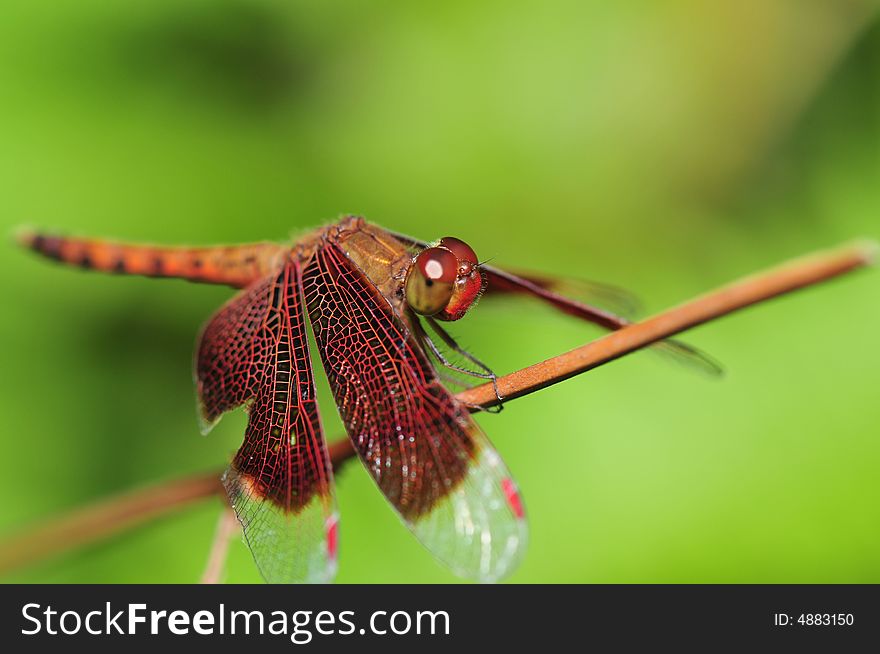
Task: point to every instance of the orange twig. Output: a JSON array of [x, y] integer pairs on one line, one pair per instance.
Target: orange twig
[[790, 276], [104, 519], [227, 527]]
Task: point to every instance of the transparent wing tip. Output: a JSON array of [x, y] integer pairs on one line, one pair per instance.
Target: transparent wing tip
[[288, 547], [479, 531], [690, 357]]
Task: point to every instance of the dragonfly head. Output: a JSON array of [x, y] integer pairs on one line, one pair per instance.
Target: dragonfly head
[[444, 280]]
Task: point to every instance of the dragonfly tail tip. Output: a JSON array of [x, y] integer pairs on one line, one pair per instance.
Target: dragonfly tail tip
[[870, 250], [24, 235]]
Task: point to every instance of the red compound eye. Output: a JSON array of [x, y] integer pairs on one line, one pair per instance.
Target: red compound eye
[[430, 282], [437, 265], [462, 251]]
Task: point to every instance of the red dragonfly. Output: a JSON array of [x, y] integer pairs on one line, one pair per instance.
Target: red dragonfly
[[369, 295]]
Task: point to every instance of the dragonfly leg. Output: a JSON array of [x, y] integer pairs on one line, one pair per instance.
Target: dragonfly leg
[[451, 343]]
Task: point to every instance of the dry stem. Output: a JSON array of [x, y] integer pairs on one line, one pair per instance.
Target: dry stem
[[227, 527]]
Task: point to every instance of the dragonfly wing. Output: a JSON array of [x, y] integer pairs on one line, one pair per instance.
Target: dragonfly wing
[[500, 281], [421, 446], [550, 291], [607, 297], [605, 305], [280, 483]]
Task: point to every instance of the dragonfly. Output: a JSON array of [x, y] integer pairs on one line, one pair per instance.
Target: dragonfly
[[375, 301]]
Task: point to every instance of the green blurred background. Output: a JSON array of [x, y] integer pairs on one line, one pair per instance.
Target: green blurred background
[[665, 147]]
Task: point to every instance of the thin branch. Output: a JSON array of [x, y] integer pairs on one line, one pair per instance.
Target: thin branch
[[791, 276], [104, 519], [116, 514], [227, 527]]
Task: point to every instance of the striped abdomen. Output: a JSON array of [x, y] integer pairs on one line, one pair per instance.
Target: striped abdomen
[[236, 265]]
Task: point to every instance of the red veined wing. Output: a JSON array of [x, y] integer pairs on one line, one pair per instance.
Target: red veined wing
[[422, 448], [280, 483]]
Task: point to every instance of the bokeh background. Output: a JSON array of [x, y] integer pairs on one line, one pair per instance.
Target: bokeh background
[[664, 147]]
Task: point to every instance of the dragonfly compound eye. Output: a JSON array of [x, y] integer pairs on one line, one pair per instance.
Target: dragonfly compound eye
[[467, 258], [431, 280]]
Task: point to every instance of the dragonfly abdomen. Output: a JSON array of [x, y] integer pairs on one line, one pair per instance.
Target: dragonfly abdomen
[[236, 266]]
